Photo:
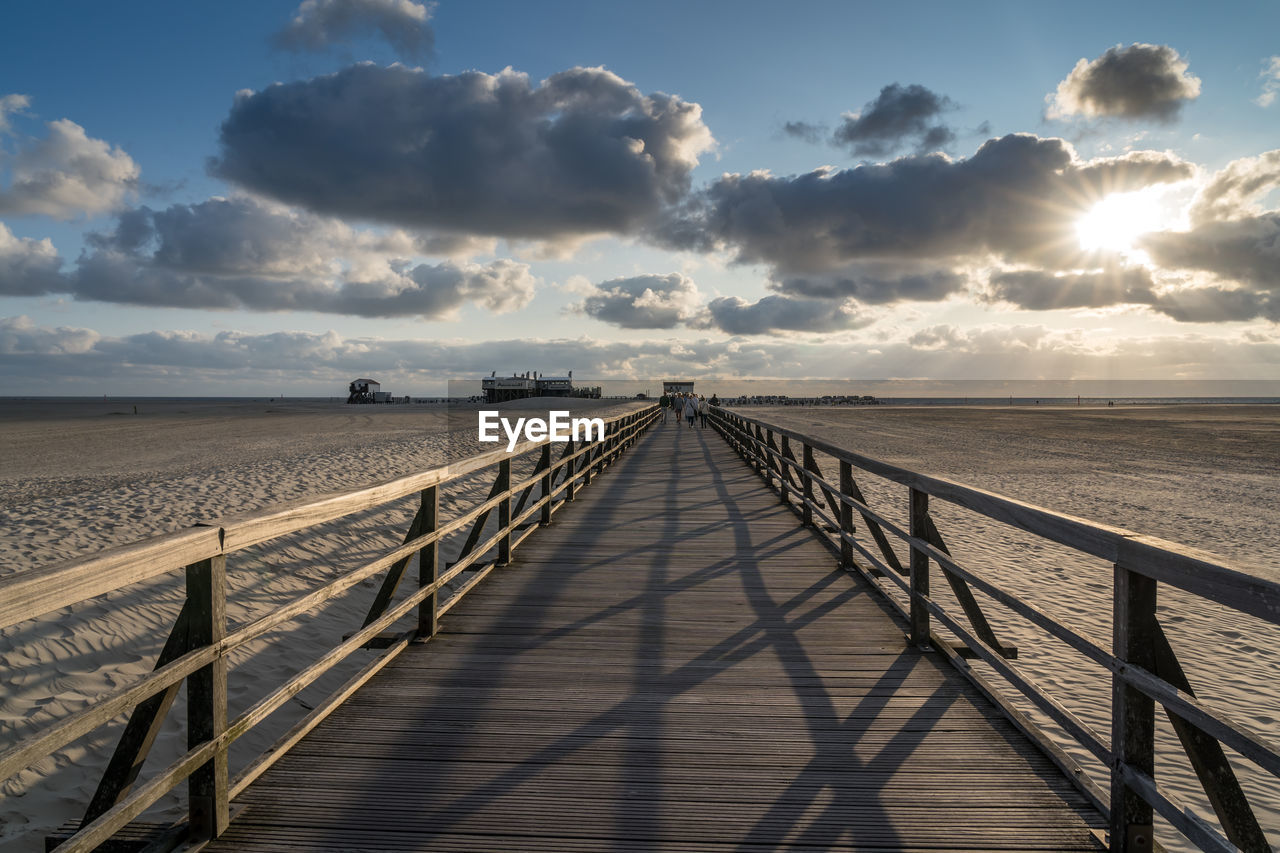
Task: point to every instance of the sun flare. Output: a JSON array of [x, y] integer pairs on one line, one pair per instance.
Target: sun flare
[[1115, 223]]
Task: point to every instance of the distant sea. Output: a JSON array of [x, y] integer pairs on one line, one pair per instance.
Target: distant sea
[[1082, 401], [887, 400]]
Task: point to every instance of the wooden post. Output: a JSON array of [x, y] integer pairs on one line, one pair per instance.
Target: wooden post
[[782, 485], [207, 696], [545, 518], [429, 563], [504, 511], [919, 570], [846, 514], [1133, 721], [568, 470], [807, 512]]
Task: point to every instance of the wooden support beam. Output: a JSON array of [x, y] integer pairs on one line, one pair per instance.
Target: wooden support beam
[[1209, 761], [964, 595], [391, 580], [141, 730], [1132, 712], [833, 503], [207, 697], [877, 533], [476, 529], [786, 469]]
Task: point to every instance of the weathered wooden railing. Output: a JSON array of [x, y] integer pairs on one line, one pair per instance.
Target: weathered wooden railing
[[197, 649], [1144, 669]]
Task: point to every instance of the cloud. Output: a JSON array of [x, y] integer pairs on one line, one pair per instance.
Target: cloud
[[642, 302], [1134, 82], [1231, 238], [582, 153], [10, 104], [1243, 250], [64, 174], [20, 336], [812, 133], [1017, 197], [27, 267], [875, 283], [899, 115], [1229, 193], [318, 24], [1039, 290], [240, 253], [236, 363], [1270, 77], [776, 314]]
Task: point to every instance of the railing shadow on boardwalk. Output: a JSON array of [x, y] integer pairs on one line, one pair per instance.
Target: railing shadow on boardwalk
[[454, 779], [640, 820]]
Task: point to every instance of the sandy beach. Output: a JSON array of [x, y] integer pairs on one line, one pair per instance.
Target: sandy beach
[[84, 476]]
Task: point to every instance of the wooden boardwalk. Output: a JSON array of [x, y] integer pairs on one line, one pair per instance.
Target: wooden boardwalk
[[676, 665]]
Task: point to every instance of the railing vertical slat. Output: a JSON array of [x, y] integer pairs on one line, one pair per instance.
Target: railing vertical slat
[[1133, 722], [846, 514], [504, 511], [207, 697], [548, 474], [919, 512], [807, 474], [429, 562]]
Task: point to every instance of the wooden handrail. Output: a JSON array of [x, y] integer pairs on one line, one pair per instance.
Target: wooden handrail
[[203, 551], [1143, 667]]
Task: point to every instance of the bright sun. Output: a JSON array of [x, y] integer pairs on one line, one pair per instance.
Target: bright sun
[[1114, 223]]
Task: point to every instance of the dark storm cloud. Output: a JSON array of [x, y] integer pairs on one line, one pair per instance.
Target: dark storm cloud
[[240, 254], [1018, 197], [899, 116], [584, 152], [318, 24], [1134, 82], [642, 302], [873, 283], [1038, 290], [776, 314]]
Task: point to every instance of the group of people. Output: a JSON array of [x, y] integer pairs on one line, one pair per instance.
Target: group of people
[[689, 407]]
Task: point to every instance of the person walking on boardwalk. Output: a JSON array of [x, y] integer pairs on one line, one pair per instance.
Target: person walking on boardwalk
[[664, 404], [702, 411], [691, 408], [676, 404]]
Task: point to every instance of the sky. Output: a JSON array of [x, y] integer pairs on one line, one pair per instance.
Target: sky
[[235, 199]]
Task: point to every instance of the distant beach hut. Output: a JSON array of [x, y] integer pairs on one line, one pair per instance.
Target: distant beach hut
[[367, 391]]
